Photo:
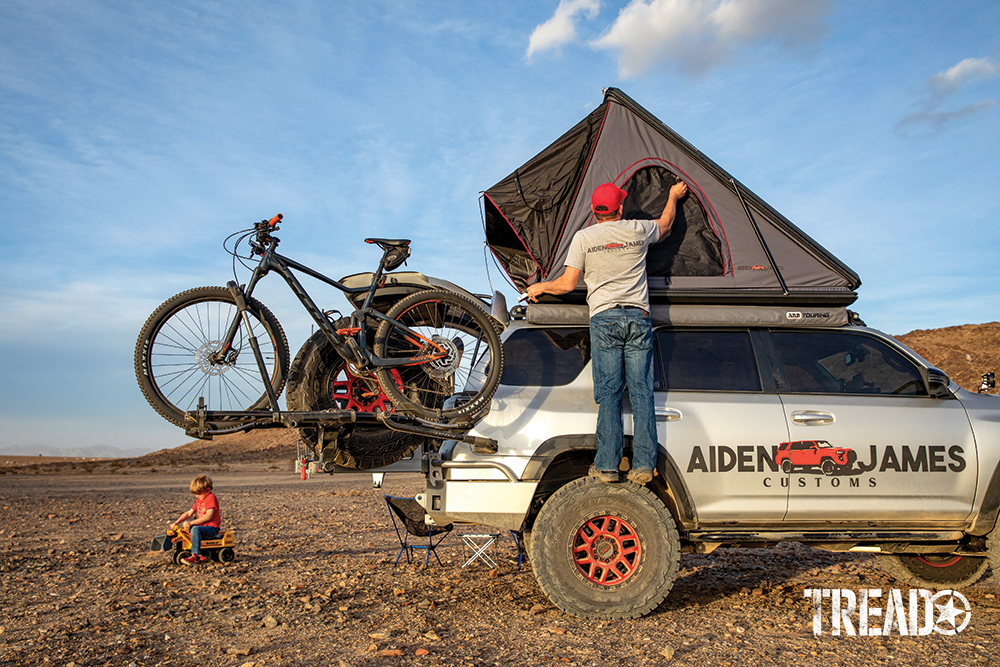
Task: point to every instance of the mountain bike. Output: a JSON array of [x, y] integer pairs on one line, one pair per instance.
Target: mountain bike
[[214, 359]]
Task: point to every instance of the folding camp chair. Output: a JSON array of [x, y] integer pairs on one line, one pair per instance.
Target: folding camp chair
[[409, 514]]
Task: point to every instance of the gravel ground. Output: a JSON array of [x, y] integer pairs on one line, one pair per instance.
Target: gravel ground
[[314, 584]]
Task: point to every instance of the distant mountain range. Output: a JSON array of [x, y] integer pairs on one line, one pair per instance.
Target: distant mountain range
[[93, 451]]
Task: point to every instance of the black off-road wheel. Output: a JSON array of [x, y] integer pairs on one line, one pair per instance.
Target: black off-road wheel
[[607, 551], [464, 356], [934, 571], [181, 555], [227, 555], [179, 357], [320, 379], [828, 467]]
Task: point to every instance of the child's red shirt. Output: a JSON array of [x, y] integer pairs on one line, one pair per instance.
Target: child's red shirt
[[207, 502]]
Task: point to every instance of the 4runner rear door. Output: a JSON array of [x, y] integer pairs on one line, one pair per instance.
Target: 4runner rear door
[[721, 421]]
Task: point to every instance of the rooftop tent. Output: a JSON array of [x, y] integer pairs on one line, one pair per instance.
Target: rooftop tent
[[727, 244]]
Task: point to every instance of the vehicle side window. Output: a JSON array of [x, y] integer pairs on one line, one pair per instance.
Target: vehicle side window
[[820, 362], [707, 361], [545, 357]]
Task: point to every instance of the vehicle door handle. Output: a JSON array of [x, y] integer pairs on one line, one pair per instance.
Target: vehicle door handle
[[667, 414], [812, 418]]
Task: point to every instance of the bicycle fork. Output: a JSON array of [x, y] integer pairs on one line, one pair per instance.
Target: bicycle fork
[[243, 316]]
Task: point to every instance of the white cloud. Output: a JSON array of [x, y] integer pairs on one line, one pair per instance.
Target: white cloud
[[561, 28], [969, 70], [929, 114], [698, 35]]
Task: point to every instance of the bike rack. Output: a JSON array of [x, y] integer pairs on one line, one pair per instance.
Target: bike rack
[[209, 423]]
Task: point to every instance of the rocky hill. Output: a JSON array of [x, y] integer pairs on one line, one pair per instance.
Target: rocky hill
[[964, 352]]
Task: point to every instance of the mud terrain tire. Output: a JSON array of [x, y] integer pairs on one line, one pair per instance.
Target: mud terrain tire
[[933, 571], [320, 380], [607, 551]]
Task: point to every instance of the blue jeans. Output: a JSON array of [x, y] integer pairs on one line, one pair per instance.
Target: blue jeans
[[199, 532], [622, 353]]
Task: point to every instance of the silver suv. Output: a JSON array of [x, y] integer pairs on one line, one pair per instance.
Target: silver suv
[[774, 425]]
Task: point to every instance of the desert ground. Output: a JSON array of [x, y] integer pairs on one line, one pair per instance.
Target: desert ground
[[314, 583]]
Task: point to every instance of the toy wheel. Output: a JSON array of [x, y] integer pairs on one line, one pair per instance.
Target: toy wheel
[[227, 555], [180, 554], [828, 467], [786, 466]]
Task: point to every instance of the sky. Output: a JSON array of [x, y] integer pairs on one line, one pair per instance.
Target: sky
[[136, 135]]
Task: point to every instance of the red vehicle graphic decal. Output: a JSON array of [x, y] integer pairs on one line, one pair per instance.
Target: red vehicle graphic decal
[[804, 454]]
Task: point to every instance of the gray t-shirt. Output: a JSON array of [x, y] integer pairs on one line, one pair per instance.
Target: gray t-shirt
[[612, 256]]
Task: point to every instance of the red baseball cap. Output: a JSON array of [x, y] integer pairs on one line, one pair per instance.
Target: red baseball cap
[[607, 198]]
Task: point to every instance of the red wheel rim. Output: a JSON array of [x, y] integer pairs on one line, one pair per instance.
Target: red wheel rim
[[939, 561], [606, 550], [349, 392]]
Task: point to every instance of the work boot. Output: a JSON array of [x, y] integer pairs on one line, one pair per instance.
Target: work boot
[[640, 476], [609, 476]]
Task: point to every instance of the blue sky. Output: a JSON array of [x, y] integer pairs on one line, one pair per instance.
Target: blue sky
[[135, 136]]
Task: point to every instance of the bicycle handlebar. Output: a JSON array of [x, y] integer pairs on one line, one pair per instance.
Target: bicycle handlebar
[[275, 220]]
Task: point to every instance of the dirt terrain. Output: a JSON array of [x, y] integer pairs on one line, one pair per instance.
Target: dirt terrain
[[314, 583]]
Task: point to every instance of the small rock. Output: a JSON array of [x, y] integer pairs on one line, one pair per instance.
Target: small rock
[[239, 650], [537, 609], [433, 636], [379, 636], [556, 630], [398, 591], [421, 651], [388, 653], [270, 622], [668, 652]]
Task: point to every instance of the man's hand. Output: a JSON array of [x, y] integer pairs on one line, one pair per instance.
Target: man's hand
[[678, 190], [666, 220], [565, 283]]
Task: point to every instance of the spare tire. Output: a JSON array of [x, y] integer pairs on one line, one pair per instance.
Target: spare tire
[[320, 379]]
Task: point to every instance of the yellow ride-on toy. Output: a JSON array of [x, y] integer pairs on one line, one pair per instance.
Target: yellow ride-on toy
[[219, 549]]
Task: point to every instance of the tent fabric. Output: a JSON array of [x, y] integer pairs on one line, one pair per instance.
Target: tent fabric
[[726, 245]]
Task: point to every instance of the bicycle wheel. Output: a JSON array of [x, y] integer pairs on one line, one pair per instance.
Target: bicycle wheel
[[172, 356], [469, 367], [320, 379]]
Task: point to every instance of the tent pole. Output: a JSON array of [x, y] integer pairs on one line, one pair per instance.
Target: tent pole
[[760, 237]]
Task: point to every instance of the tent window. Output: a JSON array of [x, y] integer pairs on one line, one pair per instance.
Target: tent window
[[692, 248]]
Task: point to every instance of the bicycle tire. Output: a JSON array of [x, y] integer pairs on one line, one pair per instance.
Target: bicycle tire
[[472, 368], [320, 379], [171, 362]]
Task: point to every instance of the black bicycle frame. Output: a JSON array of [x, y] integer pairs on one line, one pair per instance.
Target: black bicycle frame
[[272, 261]]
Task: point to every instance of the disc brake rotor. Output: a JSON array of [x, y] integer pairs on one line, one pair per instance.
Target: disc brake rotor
[[445, 366], [203, 357]]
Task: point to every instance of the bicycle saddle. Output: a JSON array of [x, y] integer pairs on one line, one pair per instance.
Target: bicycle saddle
[[389, 243]]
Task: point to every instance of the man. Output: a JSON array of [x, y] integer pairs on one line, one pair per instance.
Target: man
[[610, 256]]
